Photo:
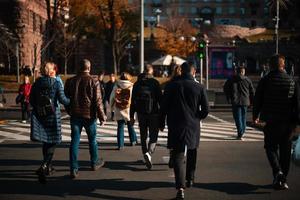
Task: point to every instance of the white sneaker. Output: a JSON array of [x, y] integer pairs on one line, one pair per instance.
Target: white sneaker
[[24, 121], [147, 158]]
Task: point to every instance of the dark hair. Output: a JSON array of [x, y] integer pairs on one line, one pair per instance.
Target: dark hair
[[124, 76], [101, 73], [84, 64], [274, 61], [186, 68]]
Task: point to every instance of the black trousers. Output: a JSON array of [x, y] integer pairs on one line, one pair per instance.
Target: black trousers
[[184, 173], [25, 110], [48, 152], [148, 123], [278, 146]]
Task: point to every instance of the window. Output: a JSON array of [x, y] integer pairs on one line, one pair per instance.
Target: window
[[206, 11], [231, 10], [242, 11], [33, 21], [181, 10], [253, 11], [41, 25], [266, 11], [219, 10], [253, 23], [169, 11], [193, 10]]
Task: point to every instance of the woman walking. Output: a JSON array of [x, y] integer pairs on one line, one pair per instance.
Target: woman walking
[[120, 100], [46, 116]]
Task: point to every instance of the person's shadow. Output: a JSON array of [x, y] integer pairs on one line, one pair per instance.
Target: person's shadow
[[234, 188]]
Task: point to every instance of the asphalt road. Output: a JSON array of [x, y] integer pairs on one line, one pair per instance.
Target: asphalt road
[[225, 170]]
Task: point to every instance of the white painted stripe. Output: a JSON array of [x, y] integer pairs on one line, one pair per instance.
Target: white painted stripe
[[230, 129], [14, 136], [217, 118], [213, 132]]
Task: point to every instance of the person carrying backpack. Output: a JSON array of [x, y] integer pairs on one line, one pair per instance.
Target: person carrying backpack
[[146, 96], [46, 116], [120, 100]]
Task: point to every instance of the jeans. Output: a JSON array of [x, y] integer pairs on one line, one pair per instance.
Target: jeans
[[184, 173], [240, 117], [91, 129], [120, 133], [278, 146], [148, 122]]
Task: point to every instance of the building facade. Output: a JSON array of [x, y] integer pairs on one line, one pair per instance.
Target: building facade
[[27, 20], [246, 13]]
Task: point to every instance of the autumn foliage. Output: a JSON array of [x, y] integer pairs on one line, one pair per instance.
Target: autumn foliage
[[175, 37]]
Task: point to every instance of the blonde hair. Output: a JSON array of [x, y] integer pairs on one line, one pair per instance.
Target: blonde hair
[[48, 69]]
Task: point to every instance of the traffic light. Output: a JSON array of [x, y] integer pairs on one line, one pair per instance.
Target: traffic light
[[201, 49]]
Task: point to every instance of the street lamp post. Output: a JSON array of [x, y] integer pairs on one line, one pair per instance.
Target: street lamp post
[[142, 38], [206, 61], [277, 26]]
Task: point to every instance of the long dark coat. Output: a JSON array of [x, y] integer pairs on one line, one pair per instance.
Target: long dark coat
[[181, 104], [47, 129]]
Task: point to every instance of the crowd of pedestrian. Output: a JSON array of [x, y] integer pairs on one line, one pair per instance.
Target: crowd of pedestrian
[[182, 105]]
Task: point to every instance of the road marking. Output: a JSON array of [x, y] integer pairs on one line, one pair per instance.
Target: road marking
[[212, 131], [218, 119]]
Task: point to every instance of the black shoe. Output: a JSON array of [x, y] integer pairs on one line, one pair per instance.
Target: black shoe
[[189, 183], [98, 165], [41, 172], [279, 182], [180, 194], [74, 173]]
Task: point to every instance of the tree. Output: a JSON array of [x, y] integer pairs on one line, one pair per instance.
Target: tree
[[111, 20], [174, 37], [54, 24]]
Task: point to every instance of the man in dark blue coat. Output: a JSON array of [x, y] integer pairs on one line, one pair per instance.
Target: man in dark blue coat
[[185, 104]]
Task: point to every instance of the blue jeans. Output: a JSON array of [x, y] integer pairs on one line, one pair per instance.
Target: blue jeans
[[120, 133], [90, 126], [240, 115]]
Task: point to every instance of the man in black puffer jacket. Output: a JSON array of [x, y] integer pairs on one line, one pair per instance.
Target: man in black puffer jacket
[[239, 92], [275, 103], [146, 97]]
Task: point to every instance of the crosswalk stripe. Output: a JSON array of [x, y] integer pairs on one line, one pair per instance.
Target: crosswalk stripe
[[219, 131]]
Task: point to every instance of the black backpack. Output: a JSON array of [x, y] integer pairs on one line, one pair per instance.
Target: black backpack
[[144, 99], [45, 106]]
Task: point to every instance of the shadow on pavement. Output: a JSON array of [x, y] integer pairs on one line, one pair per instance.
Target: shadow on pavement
[[63, 186], [234, 188]]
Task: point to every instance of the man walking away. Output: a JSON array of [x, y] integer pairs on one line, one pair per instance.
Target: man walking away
[[146, 96], [275, 103], [239, 92], [181, 105], [86, 105]]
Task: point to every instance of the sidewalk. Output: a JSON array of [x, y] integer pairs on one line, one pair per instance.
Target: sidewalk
[[225, 170]]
